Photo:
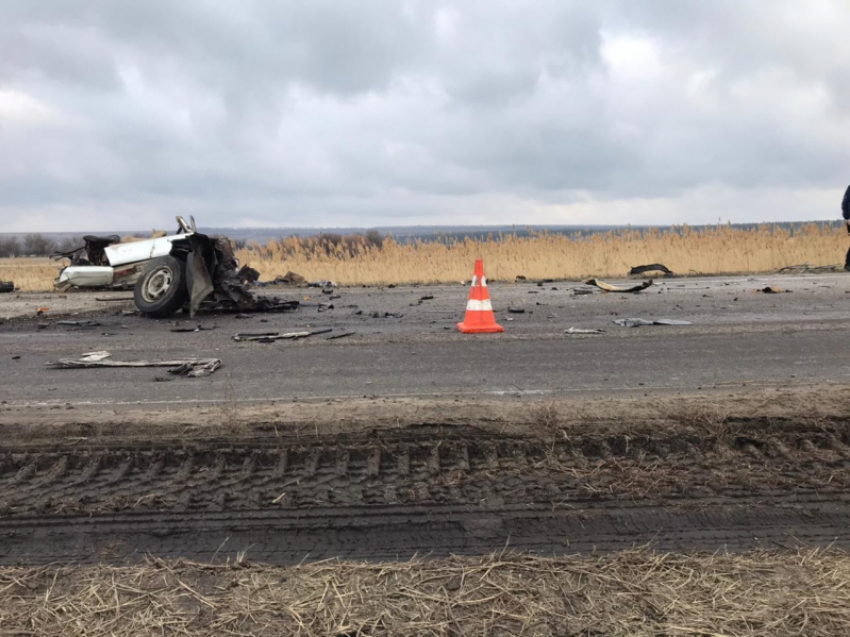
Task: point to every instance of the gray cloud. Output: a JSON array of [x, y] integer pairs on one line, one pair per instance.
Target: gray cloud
[[381, 113]]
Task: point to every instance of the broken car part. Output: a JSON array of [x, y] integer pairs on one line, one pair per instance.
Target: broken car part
[[581, 331], [191, 367], [639, 322], [269, 337], [655, 267], [607, 287]]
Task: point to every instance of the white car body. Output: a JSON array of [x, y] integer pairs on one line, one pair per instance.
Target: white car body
[[126, 262]]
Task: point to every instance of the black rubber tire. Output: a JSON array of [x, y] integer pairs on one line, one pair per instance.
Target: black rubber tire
[[174, 297]]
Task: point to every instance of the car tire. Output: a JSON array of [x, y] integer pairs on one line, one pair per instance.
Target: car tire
[[161, 289]]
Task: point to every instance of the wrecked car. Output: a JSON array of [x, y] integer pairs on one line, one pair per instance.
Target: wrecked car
[[170, 273]]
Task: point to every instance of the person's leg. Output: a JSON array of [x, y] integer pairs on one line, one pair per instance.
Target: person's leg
[[847, 261]]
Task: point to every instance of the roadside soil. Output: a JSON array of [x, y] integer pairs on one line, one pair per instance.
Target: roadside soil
[[677, 474]]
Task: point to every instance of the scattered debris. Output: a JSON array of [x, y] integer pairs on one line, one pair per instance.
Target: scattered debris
[[114, 299], [654, 267], [85, 323], [163, 379], [516, 310], [194, 368], [771, 290], [427, 297], [385, 315], [802, 269], [336, 336], [581, 331], [16, 358], [42, 310], [197, 369], [6, 287], [519, 278], [269, 337], [639, 322], [613, 288], [582, 291], [93, 357], [324, 283], [290, 278], [197, 328], [247, 274]]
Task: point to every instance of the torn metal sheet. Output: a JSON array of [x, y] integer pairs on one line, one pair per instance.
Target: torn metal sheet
[[607, 287], [192, 367], [270, 337], [654, 267], [639, 322], [93, 357]]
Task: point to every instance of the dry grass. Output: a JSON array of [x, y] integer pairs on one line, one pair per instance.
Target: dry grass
[[721, 250], [35, 274], [634, 593]]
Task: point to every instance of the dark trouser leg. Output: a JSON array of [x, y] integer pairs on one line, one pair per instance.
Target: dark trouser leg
[[847, 261]]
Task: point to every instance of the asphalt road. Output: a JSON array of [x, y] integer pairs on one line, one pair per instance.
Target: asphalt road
[[739, 337]]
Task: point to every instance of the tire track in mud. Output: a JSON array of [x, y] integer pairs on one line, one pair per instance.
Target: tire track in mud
[[426, 491]]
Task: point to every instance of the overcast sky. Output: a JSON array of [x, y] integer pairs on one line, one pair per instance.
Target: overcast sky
[[119, 115]]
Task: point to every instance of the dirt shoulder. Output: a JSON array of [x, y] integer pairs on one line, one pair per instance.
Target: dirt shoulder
[[536, 416]]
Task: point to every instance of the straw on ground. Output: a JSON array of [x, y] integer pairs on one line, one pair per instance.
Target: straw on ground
[[634, 593]]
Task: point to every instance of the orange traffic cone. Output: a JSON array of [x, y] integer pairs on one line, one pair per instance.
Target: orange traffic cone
[[479, 317]]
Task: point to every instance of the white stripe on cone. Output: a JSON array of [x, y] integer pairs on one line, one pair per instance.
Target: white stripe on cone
[[483, 281], [478, 306]]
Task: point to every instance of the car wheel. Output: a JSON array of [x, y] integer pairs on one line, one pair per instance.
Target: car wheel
[[161, 289]]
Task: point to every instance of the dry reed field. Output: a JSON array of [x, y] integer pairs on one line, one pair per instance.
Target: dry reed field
[[31, 274], [629, 594], [721, 250], [356, 261]]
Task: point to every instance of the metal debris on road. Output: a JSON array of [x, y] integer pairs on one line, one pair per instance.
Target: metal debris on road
[[516, 310], [654, 267], [639, 322], [111, 299], [607, 287], [384, 315], [269, 337], [337, 336], [771, 290], [582, 331], [192, 367], [85, 323], [197, 328], [93, 357]]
